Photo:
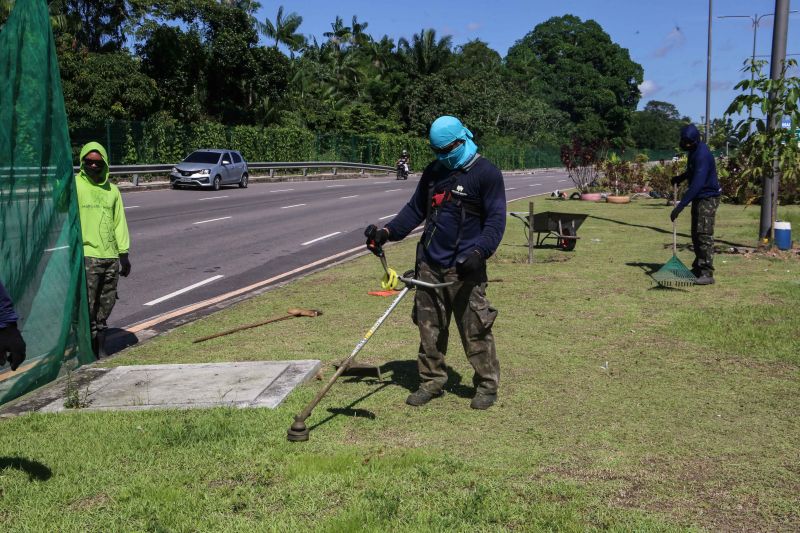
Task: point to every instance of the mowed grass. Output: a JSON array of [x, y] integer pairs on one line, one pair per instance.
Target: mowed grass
[[622, 407]]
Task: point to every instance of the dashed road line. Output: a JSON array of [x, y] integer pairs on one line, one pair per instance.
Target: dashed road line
[[346, 197], [131, 206], [291, 206], [185, 289], [388, 216], [212, 198], [282, 190], [211, 220], [393, 190], [312, 241]]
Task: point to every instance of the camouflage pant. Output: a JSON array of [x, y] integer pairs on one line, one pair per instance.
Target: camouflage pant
[[474, 318], [101, 284], [704, 211]]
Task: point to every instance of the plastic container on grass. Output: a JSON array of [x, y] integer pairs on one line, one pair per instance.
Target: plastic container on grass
[[783, 235]]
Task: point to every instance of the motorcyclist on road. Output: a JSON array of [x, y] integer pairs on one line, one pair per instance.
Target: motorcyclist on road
[[403, 164]]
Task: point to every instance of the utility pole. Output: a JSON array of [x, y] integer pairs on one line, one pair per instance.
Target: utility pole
[[708, 75], [769, 199]]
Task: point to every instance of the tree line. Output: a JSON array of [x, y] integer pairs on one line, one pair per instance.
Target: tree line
[[205, 60]]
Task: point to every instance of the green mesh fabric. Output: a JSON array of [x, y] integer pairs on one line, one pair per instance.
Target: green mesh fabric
[[41, 256]]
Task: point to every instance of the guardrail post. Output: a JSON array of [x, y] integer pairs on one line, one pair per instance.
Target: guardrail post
[[136, 180], [305, 172], [334, 170], [362, 172], [271, 172]]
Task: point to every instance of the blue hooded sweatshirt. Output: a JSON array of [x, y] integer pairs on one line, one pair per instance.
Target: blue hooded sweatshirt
[[7, 313], [701, 170]]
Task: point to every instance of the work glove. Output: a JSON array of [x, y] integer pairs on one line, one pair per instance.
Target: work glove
[[376, 238], [124, 265], [471, 266], [675, 213], [12, 346]]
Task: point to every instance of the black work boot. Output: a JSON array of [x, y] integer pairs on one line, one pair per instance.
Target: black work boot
[[101, 344], [421, 397], [483, 401], [705, 279]]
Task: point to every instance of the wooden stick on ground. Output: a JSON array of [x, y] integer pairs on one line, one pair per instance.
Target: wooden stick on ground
[[292, 313]]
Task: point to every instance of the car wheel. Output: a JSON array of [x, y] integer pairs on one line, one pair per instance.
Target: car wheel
[[216, 183], [176, 186], [243, 181]]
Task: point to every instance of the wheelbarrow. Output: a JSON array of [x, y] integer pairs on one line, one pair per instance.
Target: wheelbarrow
[[563, 227]]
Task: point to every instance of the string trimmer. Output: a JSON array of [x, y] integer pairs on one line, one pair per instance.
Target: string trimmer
[[299, 432], [674, 273]]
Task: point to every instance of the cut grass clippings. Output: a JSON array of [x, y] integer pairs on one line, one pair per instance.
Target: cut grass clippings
[[622, 406]]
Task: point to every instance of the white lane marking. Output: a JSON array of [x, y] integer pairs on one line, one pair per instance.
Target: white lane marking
[[312, 241], [534, 185], [211, 220], [346, 197], [131, 206], [511, 188], [186, 289], [213, 197], [282, 190], [392, 190], [290, 206], [388, 216], [332, 186], [561, 181], [57, 248]]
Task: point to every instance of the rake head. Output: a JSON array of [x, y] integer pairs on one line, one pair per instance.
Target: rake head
[[674, 274]]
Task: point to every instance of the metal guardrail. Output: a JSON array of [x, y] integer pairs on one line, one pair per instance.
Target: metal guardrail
[[135, 170]]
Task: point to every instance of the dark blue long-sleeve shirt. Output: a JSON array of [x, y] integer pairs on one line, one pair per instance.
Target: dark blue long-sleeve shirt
[[701, 170], [7, 313], [483, 184]]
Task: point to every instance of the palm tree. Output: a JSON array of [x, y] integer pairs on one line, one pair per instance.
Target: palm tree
[[358, 36], [284, 30], [339, 35], [426, 53]]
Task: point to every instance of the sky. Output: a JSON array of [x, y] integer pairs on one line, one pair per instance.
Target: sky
[[668, 38]]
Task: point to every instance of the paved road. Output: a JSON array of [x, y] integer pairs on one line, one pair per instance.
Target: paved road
[[191, 245]]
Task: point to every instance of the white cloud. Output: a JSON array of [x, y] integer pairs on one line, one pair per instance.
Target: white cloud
[[472, 26], [675, 39], [648, 88]]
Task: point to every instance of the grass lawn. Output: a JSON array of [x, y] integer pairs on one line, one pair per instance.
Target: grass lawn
[[622, 406]]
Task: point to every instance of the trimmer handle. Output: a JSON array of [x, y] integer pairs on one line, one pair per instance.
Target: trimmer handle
[[373, 246]]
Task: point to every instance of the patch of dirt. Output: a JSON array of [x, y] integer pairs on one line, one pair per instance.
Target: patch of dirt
[[100, 499], [703, 495], [774, 369]]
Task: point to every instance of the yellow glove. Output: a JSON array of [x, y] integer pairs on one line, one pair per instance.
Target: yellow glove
[[389, 281]]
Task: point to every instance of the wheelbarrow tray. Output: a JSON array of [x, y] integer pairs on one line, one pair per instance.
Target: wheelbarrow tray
[[563, 227]]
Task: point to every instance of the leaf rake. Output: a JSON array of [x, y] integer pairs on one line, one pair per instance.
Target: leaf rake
[[674, 273]]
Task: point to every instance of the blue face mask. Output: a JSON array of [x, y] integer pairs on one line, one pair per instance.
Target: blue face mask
[[460, 156]]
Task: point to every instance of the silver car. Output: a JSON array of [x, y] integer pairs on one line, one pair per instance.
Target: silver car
[[210, 168]]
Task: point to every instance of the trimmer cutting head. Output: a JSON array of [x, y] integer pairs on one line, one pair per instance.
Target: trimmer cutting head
[[298, 432]]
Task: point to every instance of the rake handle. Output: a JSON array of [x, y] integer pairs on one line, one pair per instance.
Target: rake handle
[[674, 225], [292, 313]]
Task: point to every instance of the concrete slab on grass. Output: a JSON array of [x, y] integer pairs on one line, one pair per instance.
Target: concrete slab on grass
[[246, 384]]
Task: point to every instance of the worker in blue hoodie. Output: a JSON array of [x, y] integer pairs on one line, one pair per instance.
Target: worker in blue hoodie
[[12, 345], [461, 198], [703, 193]]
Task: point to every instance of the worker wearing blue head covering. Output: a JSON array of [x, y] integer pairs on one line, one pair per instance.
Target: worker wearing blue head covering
[[703, 194], [461, 198]]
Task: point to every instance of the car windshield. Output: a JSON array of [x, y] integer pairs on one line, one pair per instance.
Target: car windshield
[[202, 157]]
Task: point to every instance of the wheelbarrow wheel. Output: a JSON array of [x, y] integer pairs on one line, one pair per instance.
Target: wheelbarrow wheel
[[567, 244]]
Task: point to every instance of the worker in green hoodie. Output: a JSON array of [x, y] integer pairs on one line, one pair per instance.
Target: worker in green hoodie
[[105, 238]]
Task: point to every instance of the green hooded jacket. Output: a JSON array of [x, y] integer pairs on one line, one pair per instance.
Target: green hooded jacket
[[103, 225]]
